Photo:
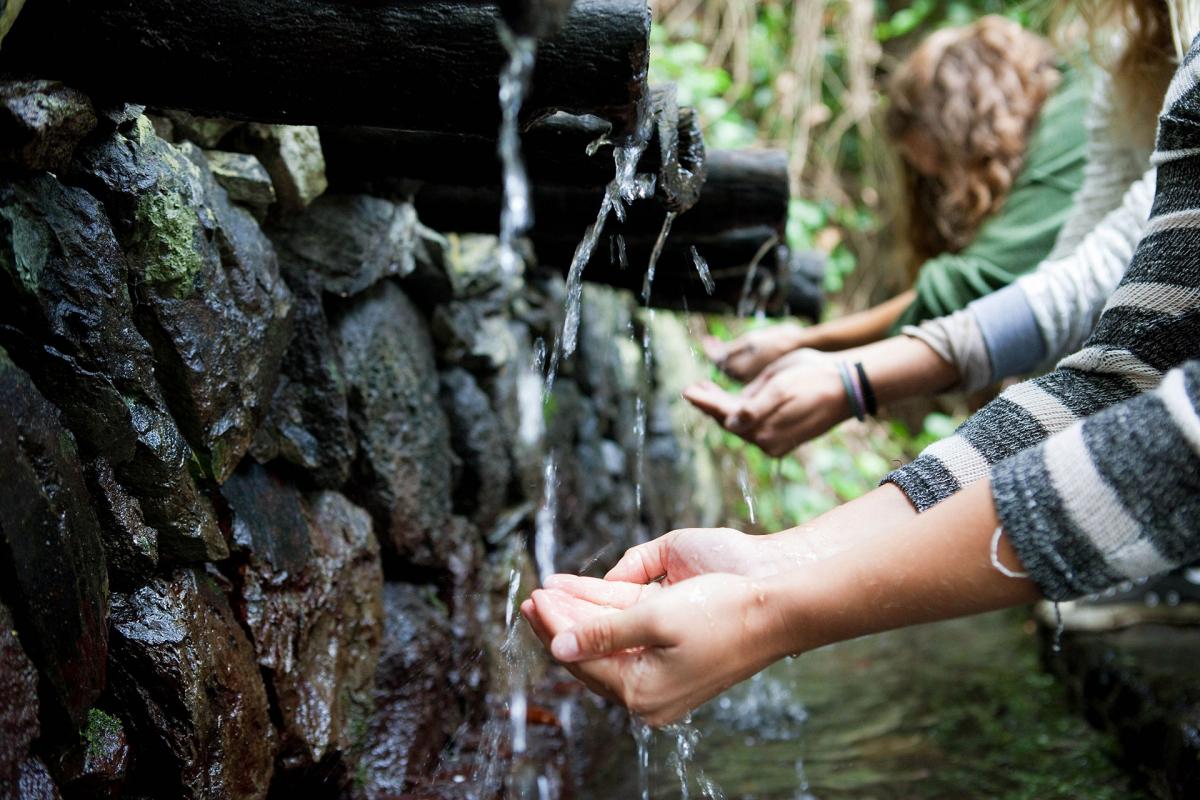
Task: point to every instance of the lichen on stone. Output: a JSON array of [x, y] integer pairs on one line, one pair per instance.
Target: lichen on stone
[[30, 247], [100, 727]]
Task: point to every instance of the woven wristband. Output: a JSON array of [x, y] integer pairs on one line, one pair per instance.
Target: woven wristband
[[848, 384], [870, 402]]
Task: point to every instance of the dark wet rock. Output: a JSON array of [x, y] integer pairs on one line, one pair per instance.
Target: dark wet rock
[[183, 670], [462, 592], [208, 292], [416, 706], [515, 389], [121, 117], [52, 574], [482, 481], [1139, 684], [18, 700], [41, 122], [292, 155], [308, 424], [353, 241], [244, 180], [309, 584], [207, 132], [130, 545], [402, 473], [69, 300], [34, 782], [98, 765]]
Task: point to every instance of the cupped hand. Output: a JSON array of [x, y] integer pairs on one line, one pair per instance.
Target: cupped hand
[[669, 649], [746, 356], [688, 552], [792, 401]]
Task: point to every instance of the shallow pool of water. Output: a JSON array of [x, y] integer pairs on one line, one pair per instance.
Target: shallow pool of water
[[960, 710]]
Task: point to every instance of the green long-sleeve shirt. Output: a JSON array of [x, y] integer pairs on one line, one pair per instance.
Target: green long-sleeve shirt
[[1018, 237]]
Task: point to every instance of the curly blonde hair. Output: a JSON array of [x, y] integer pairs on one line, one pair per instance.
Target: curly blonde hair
[[973, 93]]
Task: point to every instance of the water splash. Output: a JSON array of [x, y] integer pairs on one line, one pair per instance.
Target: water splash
[[706, 277], [516, 214], [744, 485], [545, 540], [656, 253]]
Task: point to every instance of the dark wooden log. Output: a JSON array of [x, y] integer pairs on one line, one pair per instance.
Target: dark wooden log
[[731, 256], [538, 18], [742, 189], [557, 150], [412, 64]]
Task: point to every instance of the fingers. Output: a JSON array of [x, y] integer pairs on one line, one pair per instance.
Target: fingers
[[637, 626], [644, 563], [711, 399], [755, 408], [614, 593], [714, 348]]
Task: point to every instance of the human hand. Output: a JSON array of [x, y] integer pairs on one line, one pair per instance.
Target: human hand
[[667, 650], [746, 356], [688, 552], [793, 400]]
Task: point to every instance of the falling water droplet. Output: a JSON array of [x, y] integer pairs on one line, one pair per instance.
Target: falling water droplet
[[702, 268], [744, 485], [1059, 628]]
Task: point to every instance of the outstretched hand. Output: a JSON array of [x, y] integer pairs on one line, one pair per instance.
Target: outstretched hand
[[660, 651], [746, 356], [793, 400]]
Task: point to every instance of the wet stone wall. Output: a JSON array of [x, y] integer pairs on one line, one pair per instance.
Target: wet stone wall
[[269, 455]]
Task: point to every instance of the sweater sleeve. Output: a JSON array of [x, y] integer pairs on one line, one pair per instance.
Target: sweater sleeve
[[1149, 325], [1114, 497]]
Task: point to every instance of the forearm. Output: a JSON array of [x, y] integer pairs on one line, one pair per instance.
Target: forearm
[[937, 566], [861, 328], [875, 514]]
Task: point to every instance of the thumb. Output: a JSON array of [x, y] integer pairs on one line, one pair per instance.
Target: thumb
[[714, 348], [606, 635], [754, 408]]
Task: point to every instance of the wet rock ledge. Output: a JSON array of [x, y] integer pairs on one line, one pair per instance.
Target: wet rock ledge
[[265, 451]]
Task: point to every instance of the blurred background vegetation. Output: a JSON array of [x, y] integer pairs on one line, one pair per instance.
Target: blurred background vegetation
[[805, 75]]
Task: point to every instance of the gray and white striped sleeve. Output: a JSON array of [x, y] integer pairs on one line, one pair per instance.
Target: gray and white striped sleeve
[[1114, 497], [1150, 324]]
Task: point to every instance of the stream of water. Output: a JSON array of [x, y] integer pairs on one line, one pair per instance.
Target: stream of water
[[516, 214]]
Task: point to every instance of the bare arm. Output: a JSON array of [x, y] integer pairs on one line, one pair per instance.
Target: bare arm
[[666, 651], [860, 328]]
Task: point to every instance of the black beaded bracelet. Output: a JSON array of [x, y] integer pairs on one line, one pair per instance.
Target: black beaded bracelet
[[856, 407], [868, 390]]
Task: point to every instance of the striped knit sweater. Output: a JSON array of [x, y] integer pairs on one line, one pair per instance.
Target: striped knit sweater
[[1092, 498]]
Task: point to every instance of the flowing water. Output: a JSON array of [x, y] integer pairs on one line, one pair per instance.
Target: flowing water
[[516, 213], [702, 269], [958, 709]]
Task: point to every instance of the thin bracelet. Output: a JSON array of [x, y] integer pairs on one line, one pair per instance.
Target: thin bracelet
[[848, 384], [870, 403], [1003, 570]]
